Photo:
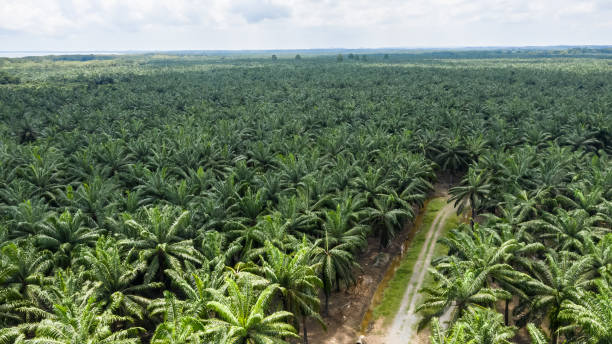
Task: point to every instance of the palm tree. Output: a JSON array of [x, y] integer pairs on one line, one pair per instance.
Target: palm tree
[[463, 287], [241, 316], [482, 249], [118, 286], [23, 270], [177, 327], [589, 314], [159, 242], [63, 235], [485, 326], [341, 227], [83, 323], [455, 335], [557, 278], [385, 218], [335, 262], [537, 337], [27, 218], [297, 282], [567, 229], [471, 193], [453, 155]]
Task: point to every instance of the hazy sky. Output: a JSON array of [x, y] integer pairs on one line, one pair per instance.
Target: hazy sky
[[275, 24]]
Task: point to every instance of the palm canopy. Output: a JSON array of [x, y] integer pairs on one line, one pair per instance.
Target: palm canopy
[[471, 193], [242, 316], [159, 242]]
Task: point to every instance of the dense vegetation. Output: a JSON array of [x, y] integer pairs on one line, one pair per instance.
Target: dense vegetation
[[201, 199]]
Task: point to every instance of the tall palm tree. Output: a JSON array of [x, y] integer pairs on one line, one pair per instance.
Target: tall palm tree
[[472, 193], [242, 316], [297, 282], [385, 218], [335, 263]]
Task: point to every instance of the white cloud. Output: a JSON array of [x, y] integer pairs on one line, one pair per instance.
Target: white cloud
[[249, 24]]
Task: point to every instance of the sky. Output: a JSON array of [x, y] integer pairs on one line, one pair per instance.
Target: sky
[[119, 25]]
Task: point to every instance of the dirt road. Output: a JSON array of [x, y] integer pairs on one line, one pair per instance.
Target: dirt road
[[404, 325]]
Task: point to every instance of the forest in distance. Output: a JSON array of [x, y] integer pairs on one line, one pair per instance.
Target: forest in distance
[[203, 199]]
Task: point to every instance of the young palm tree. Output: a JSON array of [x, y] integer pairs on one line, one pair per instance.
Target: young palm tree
[[568, 229], [23, 270], [341, 227], [159, 242], [193, 285], [485, 326], [242, 319], [27, 218], [481, 249]]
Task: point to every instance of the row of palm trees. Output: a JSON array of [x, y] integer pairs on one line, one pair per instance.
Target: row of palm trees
[[542, 256]]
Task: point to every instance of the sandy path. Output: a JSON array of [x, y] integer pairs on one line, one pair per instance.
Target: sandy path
[[405, 322]]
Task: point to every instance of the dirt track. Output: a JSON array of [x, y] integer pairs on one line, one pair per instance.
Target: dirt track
[[404, 324]]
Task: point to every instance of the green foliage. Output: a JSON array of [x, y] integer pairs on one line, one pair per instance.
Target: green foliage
[[126, 178]]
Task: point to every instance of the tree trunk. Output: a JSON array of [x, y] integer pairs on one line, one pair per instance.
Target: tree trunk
[[506, 313], [553, 332], [305, 330], [326, 304]]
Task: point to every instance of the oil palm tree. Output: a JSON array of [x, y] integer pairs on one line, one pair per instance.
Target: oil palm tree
[[458, 289], [242, 317], [567, 229], [178, 327], [297, 282], [83, 323], [159, 242], [335, 263], [23, 269], [386, 218], [472, 193], [118, 286], [27, 218], [589, 314], [64, 234], [484, 326], [556, 279]]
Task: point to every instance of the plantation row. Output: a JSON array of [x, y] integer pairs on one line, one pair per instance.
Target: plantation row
[[147, 199]]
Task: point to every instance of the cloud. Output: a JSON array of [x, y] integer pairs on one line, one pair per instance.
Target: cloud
[[257, 11], [264, 24]]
